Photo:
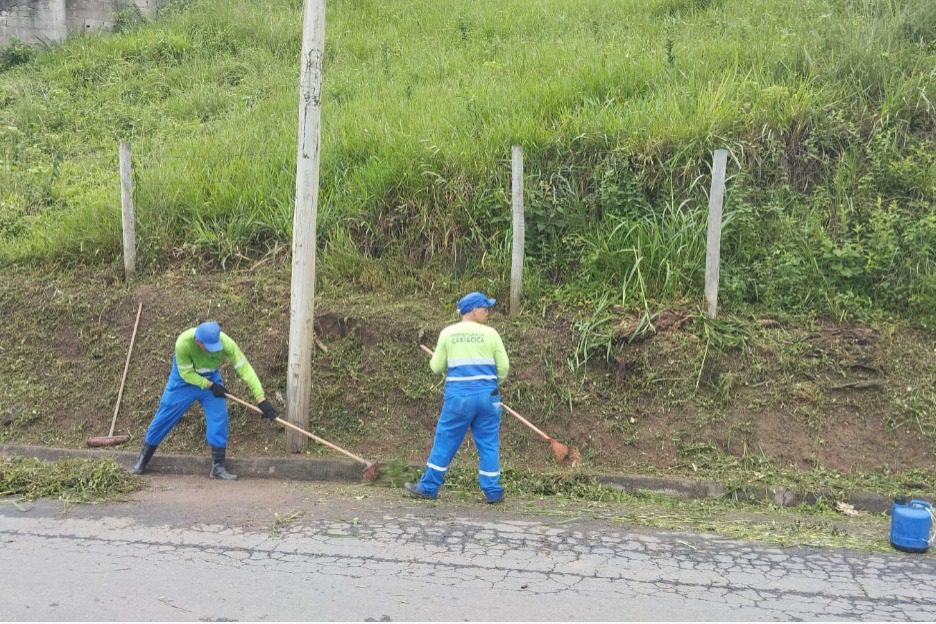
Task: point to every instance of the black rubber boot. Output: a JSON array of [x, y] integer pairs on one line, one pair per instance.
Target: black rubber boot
[[146, 454], [415, 492], [217, 470]]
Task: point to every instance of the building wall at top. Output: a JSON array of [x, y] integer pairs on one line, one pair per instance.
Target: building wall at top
[[36, 21]]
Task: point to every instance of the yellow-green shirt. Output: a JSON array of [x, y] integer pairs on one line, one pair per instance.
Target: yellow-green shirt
[[196, 365], [472, 356]]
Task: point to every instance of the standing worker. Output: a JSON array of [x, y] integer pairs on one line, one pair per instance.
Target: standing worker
[[474, 360], [195, 376]]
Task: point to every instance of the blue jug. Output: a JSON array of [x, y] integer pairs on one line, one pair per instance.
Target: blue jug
[[910, 525]]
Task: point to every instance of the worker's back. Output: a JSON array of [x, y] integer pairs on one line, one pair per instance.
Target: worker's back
[[473, 358]]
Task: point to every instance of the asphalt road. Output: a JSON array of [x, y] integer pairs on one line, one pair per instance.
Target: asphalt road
[[191, 549]]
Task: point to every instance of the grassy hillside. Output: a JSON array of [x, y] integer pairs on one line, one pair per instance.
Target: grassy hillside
[[827, 110]]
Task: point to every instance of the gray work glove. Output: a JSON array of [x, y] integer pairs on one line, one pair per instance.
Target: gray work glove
[[269, 412]]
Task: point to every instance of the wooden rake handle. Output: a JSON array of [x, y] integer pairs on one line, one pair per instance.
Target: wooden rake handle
[[526, 422], [324, 442], [506, 407], [123, 377]]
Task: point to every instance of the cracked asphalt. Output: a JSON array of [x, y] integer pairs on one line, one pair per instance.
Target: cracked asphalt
[[190, 549]]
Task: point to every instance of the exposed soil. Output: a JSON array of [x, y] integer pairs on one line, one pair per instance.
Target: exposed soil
[[805, 396]]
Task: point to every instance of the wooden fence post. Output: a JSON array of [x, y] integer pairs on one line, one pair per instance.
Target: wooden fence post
[[713, 241], [126, 212], [519, 231]]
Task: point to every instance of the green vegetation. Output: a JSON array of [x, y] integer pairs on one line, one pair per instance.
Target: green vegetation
[[805, 526], [829, 117], [741, 477], [15, 53], [70, 480], [827, 112], [581, 495]]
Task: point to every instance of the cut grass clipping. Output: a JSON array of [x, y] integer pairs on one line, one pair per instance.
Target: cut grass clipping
[[519, 482], [70, 480]]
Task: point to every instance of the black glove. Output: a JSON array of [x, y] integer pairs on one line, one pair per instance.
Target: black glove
[[218, 390], [269, 412]]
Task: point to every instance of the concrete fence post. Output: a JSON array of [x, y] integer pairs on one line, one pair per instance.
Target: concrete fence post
[[519, 231], [713, 242], [126, 212]]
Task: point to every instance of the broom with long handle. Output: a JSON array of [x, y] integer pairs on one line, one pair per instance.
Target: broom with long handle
[[110, 439], [559, 450]]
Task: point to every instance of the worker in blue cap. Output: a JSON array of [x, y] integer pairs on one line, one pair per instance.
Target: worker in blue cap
[[473, 358], [196, 376]]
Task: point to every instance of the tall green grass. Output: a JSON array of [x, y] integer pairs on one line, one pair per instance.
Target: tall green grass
[[827, 109]]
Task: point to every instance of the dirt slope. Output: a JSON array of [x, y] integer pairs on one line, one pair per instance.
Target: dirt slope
[[823, 396]]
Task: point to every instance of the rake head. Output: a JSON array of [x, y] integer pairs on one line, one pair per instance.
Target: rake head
[[564, 454], [107, 440], [559, 450], [370, 473]]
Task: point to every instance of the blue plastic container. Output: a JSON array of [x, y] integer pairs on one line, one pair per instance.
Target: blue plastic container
[[910, 525]]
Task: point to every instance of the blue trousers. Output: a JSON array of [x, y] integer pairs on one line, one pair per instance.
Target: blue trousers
[[177, 397], [481, 414]]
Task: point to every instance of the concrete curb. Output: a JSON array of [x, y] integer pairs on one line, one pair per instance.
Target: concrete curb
[[297, 468], [307, 469]]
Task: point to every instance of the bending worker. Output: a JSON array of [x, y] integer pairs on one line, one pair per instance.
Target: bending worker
[[474, 360], [195, 376]]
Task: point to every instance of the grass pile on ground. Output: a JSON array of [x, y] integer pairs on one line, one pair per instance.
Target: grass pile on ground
[[581, 495], [70, 480]]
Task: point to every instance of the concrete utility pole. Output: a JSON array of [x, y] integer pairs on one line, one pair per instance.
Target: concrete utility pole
[[302, 294]]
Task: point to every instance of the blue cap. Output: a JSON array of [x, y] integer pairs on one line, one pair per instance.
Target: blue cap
[[209, 334], [474, 300]]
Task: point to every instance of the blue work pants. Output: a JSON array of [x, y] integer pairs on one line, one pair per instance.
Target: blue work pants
[[481, 414], [177, 397]]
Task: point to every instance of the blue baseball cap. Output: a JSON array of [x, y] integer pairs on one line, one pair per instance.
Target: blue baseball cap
[[474, 300], [209, 334]]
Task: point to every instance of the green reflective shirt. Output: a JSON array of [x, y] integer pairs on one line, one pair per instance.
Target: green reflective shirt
[[473, 358], [195, 364]]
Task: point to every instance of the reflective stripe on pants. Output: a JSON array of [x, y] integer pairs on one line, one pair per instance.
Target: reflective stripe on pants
[[481, 413]]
